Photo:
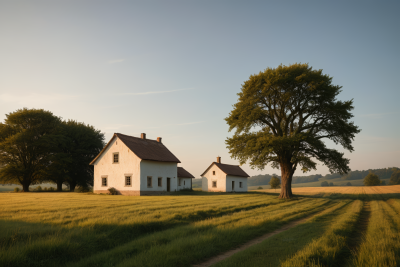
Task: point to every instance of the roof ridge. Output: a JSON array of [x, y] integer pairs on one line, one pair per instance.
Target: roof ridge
[[138, 137]]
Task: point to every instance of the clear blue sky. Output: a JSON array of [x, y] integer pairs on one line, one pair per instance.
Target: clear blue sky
[[173, 68]]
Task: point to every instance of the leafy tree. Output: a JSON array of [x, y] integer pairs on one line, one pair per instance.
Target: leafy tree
[[27, 138], [324, 183], [395, 177], [282, 117], [349, 184], [331, 184], [372, 179], [81, 144], [275, 182]]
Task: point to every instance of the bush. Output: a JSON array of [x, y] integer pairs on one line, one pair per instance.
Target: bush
[[112, 191], [52, 189], [39, 189], [349, 184], [331, 184], [274, 182], [45, 189], [383, 183], [16, 190], [372, 179], [259, 187], [324, 183]]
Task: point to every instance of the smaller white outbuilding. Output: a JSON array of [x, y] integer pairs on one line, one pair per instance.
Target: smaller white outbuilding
[[224, 178], [184, 179]]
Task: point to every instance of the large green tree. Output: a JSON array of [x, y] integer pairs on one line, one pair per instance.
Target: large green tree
[[282, 118], [27, 139], [81, 143]]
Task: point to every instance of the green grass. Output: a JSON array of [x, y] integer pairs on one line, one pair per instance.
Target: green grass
[[381, 246], [72, 229], [336, 182]]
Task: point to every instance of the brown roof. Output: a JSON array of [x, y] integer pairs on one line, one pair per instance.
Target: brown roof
[[234, 170], [143, 148], [182, 173]]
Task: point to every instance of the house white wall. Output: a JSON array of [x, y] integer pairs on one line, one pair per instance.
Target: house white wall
[[157, 169], [209, 177], [186, 183], [237, 180], [129, 164]]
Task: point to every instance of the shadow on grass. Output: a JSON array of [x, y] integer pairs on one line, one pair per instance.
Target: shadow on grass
[[42, 244]]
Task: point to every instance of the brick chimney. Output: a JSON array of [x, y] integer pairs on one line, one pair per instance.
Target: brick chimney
[[159, 139], [143, 136], [218, 159]]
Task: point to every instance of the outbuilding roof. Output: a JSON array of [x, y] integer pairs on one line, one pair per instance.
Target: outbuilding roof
[[143, 148], [233, 170], [182, 173]]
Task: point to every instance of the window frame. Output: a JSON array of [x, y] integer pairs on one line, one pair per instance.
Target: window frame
[[102, 181], [214, 184], [130, 180], [150, 178], [113, 158], [213, 172], [240, 184], [159, 182]]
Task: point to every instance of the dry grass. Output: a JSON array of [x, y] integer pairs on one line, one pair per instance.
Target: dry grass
[[390, 189]]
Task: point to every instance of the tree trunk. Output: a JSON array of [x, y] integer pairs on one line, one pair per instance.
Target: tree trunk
[[286, 176], [72, 187], [25, 187], [59, 186]]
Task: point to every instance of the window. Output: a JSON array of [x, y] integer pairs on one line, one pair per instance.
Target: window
[[214, 184], [213, 172], [104, 181], [160, 181], [179, 181], [240, 184], [183, 182], [149, 181], [115, 158], [128, 181]]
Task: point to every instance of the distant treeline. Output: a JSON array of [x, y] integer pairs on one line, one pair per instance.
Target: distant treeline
[[386, 173], [263, 179]]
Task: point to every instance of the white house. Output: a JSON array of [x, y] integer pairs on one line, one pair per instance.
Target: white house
[[224, 178], [184, 179], [136, 167]]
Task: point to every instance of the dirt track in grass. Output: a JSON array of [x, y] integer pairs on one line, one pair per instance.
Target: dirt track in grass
[[253, 242]]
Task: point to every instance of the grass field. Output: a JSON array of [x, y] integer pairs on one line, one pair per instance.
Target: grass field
[[336, 182], [73, 229], [392, 189]]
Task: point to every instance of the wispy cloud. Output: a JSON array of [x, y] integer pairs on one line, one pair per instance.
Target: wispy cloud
[[155, 92], [35, 99], [116, 61]]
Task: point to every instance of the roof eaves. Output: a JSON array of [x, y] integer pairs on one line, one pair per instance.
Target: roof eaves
[[101, 152]]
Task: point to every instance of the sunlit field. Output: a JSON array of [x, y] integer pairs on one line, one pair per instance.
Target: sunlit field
[[390, 189], [81, 229]]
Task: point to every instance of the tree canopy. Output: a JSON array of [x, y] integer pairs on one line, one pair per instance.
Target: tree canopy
[[36, 147], [81, 143], [275, 182], [27, 141], [372, 179], [395, 177], [282, 118]]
